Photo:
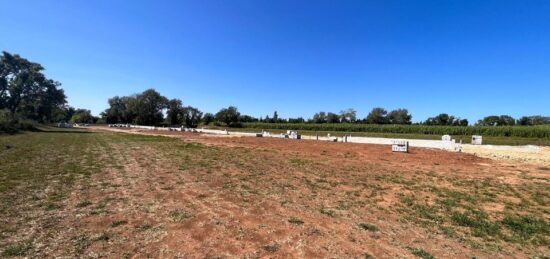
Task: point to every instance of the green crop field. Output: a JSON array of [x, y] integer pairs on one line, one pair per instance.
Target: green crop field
[[505, 135]]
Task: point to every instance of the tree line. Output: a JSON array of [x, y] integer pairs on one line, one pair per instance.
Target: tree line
[[149, 108]]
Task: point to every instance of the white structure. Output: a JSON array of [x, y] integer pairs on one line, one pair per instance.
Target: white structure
[[293, 134], [400, 146], [64, 125], [477, 140], [446, 137]]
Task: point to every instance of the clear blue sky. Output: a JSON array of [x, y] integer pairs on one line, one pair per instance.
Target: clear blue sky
[[466, 58]]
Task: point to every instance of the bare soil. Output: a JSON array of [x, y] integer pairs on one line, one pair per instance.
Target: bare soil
[[251, 217], [198, 196]]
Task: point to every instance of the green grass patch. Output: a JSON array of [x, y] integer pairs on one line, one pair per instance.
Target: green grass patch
[[19, 249], [529, 228], [421, 253], [118, 223], [83, 204], [367, 226], [178, 215]]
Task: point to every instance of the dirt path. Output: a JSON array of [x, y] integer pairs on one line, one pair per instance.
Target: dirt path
[[536, 155]]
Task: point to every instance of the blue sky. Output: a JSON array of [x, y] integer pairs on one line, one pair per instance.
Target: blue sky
[[466, 58]]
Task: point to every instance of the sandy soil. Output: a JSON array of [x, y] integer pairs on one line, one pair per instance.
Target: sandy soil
[[513, 154]]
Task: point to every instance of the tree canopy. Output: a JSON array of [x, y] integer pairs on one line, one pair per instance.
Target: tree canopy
[[229, 116], [25, 92]]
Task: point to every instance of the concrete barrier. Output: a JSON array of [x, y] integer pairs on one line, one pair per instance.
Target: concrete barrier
[[423, 143]]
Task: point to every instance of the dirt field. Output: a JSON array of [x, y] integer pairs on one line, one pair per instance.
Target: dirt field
[[104, 194]]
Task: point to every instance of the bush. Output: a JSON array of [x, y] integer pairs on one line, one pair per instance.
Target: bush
[[14, 127]]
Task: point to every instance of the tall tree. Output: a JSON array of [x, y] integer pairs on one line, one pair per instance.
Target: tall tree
[[494, 120], [333, 117], [348, 115], [149, 107], [174, 112], [399, 116], [208, 118], [25, 89], [534, 120], [377, 116], [506, 120], [191, 116], [229, 116], [440, 119], [319, 117], [119, 110], [82, 116], [275, 117]]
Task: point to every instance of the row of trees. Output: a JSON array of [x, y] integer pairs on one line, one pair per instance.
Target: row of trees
[[506, 120], [376, 116], [446, 120], [149, 107]]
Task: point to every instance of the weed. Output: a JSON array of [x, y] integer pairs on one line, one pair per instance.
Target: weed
[[369, 227], [118, 223], [272, 247], [328, 212], [103, 237], [143, 227], [477, 222], [178, 215], [528, 227], [83, 204], [81, 243], [17, 249], [295, 221], [419, 252]]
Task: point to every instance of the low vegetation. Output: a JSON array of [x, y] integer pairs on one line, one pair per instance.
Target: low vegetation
[[540, 131]]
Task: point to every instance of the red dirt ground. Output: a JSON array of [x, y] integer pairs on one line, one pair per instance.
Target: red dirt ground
[[250, 218]]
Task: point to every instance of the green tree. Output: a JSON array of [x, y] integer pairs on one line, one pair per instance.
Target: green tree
[[191, 116], [174, 112], [399, 116], [149, 107], [247, 118], [506, 120], [229, 116], [275, 117], [463, 122], [489, 121], [377, 116], [348, 115], [121, 110], [333, 117], [82, 116], [25, 91], [319, 117], [533, 120], [208, 118]]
